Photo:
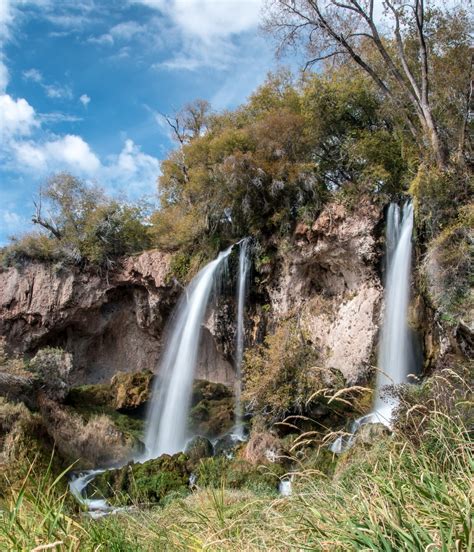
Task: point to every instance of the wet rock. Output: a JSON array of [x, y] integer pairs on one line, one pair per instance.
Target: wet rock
[[227, 446], [212, 412], [199, 448], [368, 434], [92, 443], [262, 448]]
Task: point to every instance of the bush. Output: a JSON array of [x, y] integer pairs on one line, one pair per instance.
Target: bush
[[278, 375], [448, 267]]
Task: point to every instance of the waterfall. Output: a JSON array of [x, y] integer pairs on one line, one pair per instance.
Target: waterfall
[[242, 287], [168, 415], [394, 350]]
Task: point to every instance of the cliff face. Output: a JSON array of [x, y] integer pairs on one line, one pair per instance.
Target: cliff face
[[328, 278], [326, 275], [110, 324]]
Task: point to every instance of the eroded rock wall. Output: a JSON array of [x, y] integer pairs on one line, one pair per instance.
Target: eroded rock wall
[[111, 323], [328, 277]]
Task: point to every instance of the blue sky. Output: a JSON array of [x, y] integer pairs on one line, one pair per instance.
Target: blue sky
[[82, 83]]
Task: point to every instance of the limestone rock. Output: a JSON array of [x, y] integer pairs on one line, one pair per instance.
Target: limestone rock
[[329, 279]]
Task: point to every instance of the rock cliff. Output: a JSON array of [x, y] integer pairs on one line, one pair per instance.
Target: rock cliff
[[326, 274], [110, 323], [328, 277]]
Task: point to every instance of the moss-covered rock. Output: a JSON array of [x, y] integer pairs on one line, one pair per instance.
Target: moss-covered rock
[[131, 391], [198, 448], [212, 409], [151, 481]]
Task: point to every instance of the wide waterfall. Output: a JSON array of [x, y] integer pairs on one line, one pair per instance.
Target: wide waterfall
[[242, 287], [394, 350], [168, 414]]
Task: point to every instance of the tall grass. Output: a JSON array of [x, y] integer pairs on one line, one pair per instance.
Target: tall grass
[[408, 492]]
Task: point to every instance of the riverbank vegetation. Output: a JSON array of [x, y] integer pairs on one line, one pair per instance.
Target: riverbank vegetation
[[405, 491]]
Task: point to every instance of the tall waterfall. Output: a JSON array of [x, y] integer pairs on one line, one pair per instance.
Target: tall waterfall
[[242, 287], [394, 350], [168, 415]]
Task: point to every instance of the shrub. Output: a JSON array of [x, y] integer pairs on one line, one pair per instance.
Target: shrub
[[53, 367], [278, 375], [448, 267]]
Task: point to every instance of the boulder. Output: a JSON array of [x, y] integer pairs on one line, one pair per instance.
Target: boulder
[[198, 448], [148, 482]]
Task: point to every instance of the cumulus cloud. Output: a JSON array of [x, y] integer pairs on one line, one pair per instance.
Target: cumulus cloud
[[68, 152], [17, 117], [85, 100], [133, 170]]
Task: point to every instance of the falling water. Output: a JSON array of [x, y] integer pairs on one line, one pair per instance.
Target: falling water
[[242, 286], [394, 351], [167, 417]]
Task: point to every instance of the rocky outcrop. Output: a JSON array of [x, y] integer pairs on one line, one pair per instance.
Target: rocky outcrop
[[328, 278], [110, 323]]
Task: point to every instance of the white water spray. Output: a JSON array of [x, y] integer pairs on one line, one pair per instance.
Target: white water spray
[[394, 351], [168, 415], [242, 287]]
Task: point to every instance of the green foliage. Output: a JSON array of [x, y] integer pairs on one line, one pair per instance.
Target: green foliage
[[448, 267], [149, 482], [258, 169], [278, 375], [30, 246], [437, 197], [82, 226], [236, 473]]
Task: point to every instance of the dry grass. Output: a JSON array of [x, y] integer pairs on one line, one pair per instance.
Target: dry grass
[[405, 493]]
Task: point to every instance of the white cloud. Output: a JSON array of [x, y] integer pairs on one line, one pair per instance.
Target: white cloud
[[29, 156], [58, 91], [68, 152], [85, 100], [133, 170], [208, 19], [58, 117], [6, 19], [72, 151], [101, 39], [126, 30], [17, 117], [4, 76], [33, 75]]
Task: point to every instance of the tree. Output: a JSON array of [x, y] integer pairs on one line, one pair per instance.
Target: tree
[[85, 224], [69, 202], [350, 29]]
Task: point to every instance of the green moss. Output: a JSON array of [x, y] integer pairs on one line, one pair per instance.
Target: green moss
[[90, 395], [151, 481]]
